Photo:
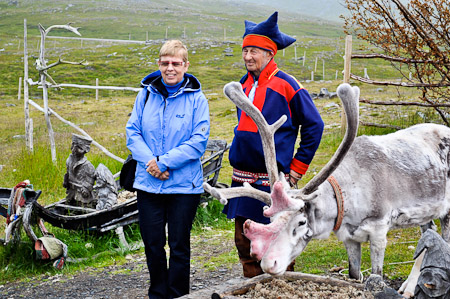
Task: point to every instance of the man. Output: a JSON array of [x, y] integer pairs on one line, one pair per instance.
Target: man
[[274, 93]]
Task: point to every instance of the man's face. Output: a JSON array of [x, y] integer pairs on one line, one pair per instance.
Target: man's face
[[255, 59]]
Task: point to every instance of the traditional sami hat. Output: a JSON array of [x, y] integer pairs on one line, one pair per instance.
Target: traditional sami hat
[[266, 35]]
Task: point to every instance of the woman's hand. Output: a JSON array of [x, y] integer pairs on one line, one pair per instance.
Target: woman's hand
[[153, 169]]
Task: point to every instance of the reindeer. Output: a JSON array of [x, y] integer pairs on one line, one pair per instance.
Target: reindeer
[[371, 184]]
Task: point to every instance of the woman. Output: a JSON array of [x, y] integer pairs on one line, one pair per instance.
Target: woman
[[167, 134]]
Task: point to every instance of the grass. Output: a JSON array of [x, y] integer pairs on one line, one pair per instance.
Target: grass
[[125, 65]]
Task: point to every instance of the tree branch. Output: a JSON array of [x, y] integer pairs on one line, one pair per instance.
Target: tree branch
[[403, 84]]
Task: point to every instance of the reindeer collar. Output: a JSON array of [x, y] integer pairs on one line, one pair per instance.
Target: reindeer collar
[[339, 201]]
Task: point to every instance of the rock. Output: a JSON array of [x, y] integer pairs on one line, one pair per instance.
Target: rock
[[374, 283], [324, 93], [331, 106]]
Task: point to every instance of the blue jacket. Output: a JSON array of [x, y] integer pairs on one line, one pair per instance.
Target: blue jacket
[[173, 128]]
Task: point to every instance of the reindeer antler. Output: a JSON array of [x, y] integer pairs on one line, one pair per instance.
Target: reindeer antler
[[234, 92], [248, 191], [350, 99]]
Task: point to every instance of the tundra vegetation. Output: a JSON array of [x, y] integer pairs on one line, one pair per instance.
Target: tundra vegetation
[[104, 119]]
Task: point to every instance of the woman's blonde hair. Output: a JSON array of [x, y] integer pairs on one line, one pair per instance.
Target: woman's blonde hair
[[174, 48]]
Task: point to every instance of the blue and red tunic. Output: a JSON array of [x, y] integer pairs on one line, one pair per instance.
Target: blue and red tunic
[[277, 94]]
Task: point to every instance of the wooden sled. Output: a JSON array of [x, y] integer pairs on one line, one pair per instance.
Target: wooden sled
[[61, 214]]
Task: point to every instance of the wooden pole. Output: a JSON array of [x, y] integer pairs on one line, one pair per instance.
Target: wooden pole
[[295, 51], [312, 75], [323, 69], [315, 66], [365, 74], [167, 29], [19, 93], [304, 58], [30, 128], [28, 121], [146, 36], [96, 90], [347, 70], [45, 96]]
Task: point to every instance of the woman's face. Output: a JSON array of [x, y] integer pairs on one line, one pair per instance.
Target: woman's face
[[172, 69]]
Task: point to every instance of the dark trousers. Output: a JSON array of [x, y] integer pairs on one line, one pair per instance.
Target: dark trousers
[[250, 266], [178, 212]]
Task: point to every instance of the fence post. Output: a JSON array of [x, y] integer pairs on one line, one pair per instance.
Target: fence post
[[365, 74], [315, 66], [347, 69], [28, 121], [323, 69], [295, 51], [96, 90], [30, 131], [20, 89], [304, 58], [312, 75]]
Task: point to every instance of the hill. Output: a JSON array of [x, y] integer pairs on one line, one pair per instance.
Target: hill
[[137, 19], [329, 10]]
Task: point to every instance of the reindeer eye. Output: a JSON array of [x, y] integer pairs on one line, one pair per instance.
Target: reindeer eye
[[300, 223]]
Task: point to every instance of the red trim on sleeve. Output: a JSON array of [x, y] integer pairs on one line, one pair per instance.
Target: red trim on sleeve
[[299, 166]]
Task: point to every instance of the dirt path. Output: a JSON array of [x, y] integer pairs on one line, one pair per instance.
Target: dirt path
[[129, 280]]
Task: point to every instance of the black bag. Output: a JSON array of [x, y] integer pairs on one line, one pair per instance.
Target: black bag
[[127, 173], [129, 166]]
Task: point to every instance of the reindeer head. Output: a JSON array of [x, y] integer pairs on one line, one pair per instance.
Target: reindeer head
[[278, 243]]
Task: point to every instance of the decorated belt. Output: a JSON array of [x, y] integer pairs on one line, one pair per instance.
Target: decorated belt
[[252, 177]]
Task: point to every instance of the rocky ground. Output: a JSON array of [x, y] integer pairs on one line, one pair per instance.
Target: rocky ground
[[130, 280]]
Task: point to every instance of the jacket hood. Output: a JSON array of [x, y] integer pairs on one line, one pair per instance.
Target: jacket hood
[[154, 80]]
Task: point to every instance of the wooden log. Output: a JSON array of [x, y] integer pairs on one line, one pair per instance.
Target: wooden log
[[403, 103], [92, 87], [367, 124], [244, 286]]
